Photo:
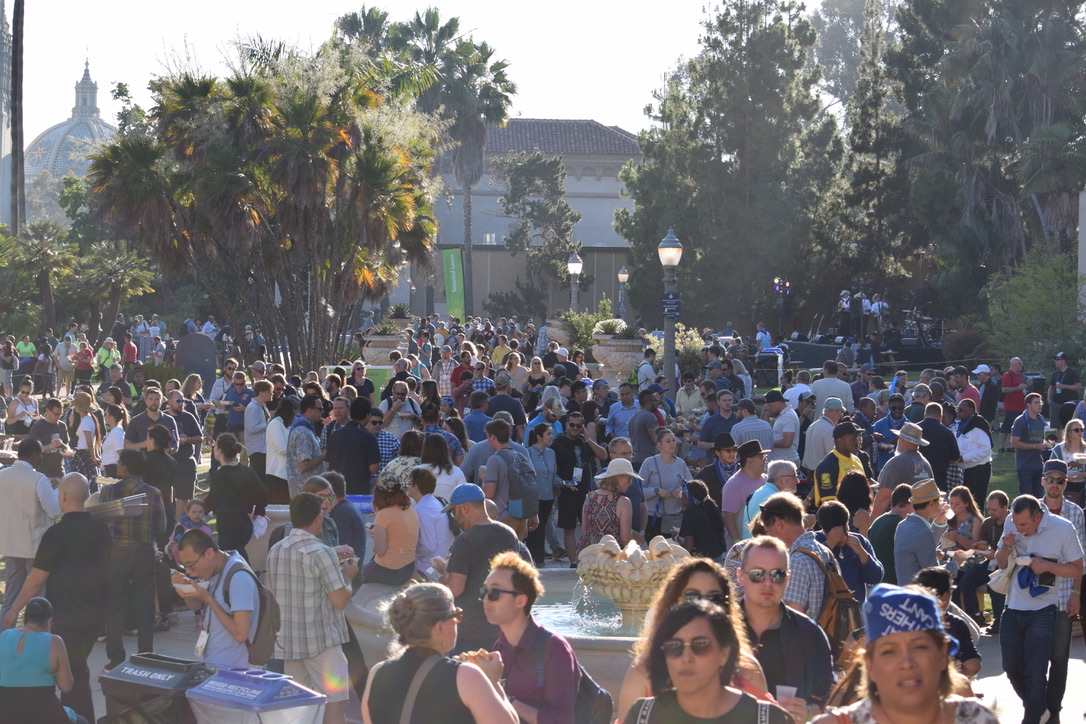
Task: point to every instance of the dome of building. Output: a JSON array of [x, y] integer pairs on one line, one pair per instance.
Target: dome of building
[[63, 149]]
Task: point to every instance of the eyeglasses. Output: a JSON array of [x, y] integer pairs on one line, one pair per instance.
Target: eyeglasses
[[700, 646], [718, 598], [493, 594], [776, 575], [457, 614], [1054, 479], [188, 566]]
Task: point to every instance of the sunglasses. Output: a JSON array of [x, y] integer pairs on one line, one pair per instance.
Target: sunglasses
[[1074, 429], [493, 594], [700, 646], [776, 575], [716, 598], [377, 423], [457, 614], [574, 425], [1054, 479], [326, 496]]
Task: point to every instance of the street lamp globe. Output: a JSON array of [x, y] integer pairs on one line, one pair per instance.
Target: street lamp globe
[[574, 265], [623, 275], [670, 250]]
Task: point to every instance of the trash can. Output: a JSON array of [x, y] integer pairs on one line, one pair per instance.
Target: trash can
[[151, 687], [252, 696]]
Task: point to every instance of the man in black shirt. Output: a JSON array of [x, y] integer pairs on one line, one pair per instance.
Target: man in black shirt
[[53, 436], [353, 451], [74, 558], [575, 466]]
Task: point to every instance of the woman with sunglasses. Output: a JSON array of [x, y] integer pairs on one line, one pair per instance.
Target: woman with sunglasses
[[424, 619], [22, 410], [1073, 452], [691, 579], [691, 660], [235, 495], [360, 382], [606, 511], [906, 670]]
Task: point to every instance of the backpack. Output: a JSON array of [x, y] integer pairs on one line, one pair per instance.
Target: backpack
[[454, 527], [841, 613], [262, 647], [593, 703], [523, 488]]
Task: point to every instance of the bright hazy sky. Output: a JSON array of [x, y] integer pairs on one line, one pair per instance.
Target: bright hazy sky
[[597, 59]]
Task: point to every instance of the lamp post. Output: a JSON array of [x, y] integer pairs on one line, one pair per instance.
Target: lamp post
[[623, 277], [574, 267], [670, 252]]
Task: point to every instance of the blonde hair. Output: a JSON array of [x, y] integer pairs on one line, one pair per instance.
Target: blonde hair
[[414, 612]]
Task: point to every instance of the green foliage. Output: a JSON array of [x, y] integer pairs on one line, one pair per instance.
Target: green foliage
[[399, 311], [742, 164], [609, 326], [525, 301], [387, 328], [965, 346], [628, 332], [581, 324], [688, 345], [535, 198], [1037, 312], [163, 372]]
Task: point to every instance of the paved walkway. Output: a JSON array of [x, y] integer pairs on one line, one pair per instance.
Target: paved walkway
[[997, 691]]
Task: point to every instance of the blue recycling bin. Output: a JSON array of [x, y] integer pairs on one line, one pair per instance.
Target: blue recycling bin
[[253, 696], [364, 503]]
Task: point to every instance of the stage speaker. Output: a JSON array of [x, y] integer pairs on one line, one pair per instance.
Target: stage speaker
[[824, 339], [838, 340], [910, 341], [798, 337]]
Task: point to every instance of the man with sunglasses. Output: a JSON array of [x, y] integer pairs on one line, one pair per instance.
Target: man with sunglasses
[[540, 670], [387, 444], [791, 648], [1068, 599], [218, 400]]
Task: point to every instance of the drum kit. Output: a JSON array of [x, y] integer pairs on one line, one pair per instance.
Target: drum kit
[[927, 331]]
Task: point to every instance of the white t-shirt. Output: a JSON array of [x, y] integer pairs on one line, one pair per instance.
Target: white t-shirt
[[791, 395], [158, 351], [446, 482], [86, 425], [787, 421], [112, 446]]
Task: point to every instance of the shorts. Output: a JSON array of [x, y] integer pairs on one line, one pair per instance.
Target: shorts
[[326, 672], [1008, 421], [5, 377], [570, 505]]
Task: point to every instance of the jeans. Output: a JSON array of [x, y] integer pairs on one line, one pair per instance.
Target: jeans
[[17, 571], [977, 479], [973, 577], [131, 567], [1029, 481], [1025, 640], [536, 538], [79, 643], [1057, 668]]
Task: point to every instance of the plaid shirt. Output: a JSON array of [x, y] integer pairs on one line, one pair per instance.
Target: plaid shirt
[[1073, 513], [389, 447], [143, 528], [455, 448], [483, 384], [302, 571], [442, 372], [806, 582]]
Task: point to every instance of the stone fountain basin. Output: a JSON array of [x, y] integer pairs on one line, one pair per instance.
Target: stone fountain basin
[[606, 658]]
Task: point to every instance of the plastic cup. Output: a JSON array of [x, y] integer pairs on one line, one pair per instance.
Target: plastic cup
[[785, 692]]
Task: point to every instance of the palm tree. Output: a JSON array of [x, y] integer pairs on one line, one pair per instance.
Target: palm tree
[[113, 271], [18, 177], [45, 254], [472, 92]]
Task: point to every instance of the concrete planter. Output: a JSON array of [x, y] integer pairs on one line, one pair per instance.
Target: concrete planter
[[558, 331], [379, 345], [617, 357]]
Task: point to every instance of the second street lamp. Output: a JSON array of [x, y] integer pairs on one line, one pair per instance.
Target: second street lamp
[[623, 277], [670, 252]]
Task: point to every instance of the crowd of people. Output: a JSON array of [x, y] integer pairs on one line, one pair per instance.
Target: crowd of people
[[487, 440]]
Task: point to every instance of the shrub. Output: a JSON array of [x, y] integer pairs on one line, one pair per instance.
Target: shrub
[[965, 346]]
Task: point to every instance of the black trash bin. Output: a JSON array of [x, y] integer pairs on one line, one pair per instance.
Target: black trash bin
[[151, 688]]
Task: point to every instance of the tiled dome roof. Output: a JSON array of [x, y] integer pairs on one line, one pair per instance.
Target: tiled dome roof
[[63, 148]]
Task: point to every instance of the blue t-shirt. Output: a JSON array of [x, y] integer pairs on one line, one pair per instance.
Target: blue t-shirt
[[236, 397], [1031, 432], [474, 422], [222, 648]]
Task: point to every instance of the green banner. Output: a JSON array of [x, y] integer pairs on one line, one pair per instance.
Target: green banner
[[454, 282]]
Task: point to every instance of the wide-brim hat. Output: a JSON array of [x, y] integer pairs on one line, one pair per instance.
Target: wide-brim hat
[[750, 449], [911, 432], [924, 491], [723, 441], [619, 466], [84, 402]]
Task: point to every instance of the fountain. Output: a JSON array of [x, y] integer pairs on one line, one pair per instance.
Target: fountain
[[629, 576]]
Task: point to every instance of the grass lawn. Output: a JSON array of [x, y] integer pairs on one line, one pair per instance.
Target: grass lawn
[[1003, 476]]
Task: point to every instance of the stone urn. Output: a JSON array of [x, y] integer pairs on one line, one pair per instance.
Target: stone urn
[[379, 345], [401, 322], [629, 576], [618, 356], [558, 331]]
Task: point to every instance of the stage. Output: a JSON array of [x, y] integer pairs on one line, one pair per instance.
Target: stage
[[810, 355]]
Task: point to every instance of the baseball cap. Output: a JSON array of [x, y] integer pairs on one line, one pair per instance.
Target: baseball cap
[[655, 388], [746, 404], [716, 365], [1060, 355], [833, 403], [845, 428], [562, 351], [959, 370], [1055, 466], [982, 368], [774, 396], [259, 366], [464, 493]]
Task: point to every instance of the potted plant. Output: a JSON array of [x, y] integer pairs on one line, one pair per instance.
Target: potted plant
[[400, 314], [606, 329], [382, 339], [621, 353]]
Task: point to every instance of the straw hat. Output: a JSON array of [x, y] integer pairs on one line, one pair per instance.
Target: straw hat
[[84, 403]]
